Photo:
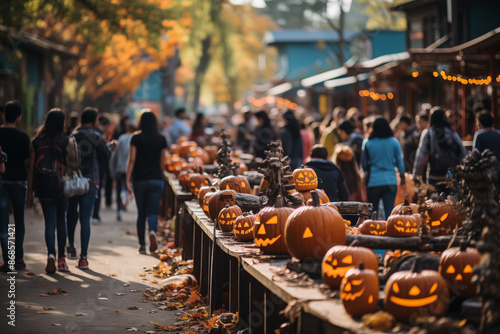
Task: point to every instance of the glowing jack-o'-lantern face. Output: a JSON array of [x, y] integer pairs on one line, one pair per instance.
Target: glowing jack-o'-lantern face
[[237, 183], [339, 259], [305, 179], [244, 226], [444, 215], [359, 291], [373, 227], [227, 217], [456, 266], [411, 294], [219, 200], [402, 225], [269, 230], [197, 181]]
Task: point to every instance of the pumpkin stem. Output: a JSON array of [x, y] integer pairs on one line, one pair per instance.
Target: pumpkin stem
[[209, 182], [235, 172], [407, 201], [361, 266], [463, 245], [200, 170], [417, 266], [315, 198], [226, 206], [374, 215]]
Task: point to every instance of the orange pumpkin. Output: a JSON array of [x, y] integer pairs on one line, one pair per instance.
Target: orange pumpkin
[[269, 228], [227, 217], [203, 190], [212, 153], [235, 182], [219, 200], [359, 291], [244, 226], [373, 227], [305, 179], [444, 215], [405, 225], [456, 266], [185, 147], [323, 197]]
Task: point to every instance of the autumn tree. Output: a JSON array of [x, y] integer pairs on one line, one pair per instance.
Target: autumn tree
[[380, 15]]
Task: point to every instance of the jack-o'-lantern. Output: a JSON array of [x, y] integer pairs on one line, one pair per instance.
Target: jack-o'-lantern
[[227, 217], [206, 201], [184, 177], [456, 266], [203, 190], [373, 227], [359, 291], [405, 207], [404, 225], [305, 179], [244, 226], [339, 259], [311, 231], [173, 163], [269, 228], [416, 293], [219, 200], [237, 183], [444, 215], [212, 152], [323, 197], [198, 180], [185, 147]]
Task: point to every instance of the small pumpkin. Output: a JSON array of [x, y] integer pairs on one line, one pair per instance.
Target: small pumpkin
[[198, 180], [359, 291], [305, 179], [227, 217], [312, 230], [269, 228], [405, 207], [235, 182], [203, 190], [323, 197], [373, 226], [339, 259], [186, 146], [174, 149], [184, 177], [206, 201], [173, 163], [244, 226], [212, 152], [415, 293], [219, 200], [404, 225], [456, 266]]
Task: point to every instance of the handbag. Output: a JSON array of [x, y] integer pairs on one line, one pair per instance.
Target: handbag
[[76, 185]]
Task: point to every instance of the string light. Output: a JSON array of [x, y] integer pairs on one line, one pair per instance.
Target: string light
[[376, 96], [280, 102], [458, 78]]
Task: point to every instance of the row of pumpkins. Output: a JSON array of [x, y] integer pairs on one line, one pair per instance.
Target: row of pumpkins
[[319, 231]]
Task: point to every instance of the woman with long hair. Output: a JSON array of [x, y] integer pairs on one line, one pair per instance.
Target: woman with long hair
[[345, 160], [198, 132], [439, 149], [50, 140], [144, 166], [380, 155]]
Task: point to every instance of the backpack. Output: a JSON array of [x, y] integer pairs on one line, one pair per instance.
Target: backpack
[[442, 157], [48, 170]]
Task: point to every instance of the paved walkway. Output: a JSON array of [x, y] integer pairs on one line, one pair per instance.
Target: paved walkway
[[92, 301]]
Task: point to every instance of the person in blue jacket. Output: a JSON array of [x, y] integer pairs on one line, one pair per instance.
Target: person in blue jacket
[[381, 154]]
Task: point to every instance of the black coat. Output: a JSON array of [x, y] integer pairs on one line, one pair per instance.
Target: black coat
[[330, 179]]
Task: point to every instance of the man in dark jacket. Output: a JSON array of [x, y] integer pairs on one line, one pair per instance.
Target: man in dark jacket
[[330, 178]]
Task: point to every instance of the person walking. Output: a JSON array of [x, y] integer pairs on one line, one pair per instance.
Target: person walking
[[147, 152], [51, 153], [118, 169], [486, 137], [440, 148], [92, 149], [344, 159], [244, 135], [179, 126], [264, 134], [16, 144], [380, 155], [292, 140], [330, 178]]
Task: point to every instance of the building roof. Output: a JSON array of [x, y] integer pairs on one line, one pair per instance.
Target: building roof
[[36, 42], [273, 37]]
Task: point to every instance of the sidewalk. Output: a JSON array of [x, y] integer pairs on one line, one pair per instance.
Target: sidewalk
[[91, 301]]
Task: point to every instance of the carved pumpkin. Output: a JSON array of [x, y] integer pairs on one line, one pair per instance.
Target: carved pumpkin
[[185, 147], [323, 197], [269, 228], [237, 183], [405, 225], [198, 180], [359, 291], [219, 200], [339, 259], [444, 215], [305, 179], [373, 227], [456, 266], [244, 226], [227, 217], [206, 201], [184, 177], [174, 163], [203, 190], [415, 293], [405, 207], [312, 230]]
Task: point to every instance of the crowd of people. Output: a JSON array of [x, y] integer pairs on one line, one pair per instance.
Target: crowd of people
[[356, 157]]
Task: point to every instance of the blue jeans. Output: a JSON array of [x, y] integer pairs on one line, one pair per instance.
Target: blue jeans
[[147, 198], [54, 214], [12, 192], [86, 204], [386, 193]]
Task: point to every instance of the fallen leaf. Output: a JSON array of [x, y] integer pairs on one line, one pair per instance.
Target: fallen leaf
[[43, 295], [118, 312], [79, 314], [152, 311], [142, 275], [154, 281], [144, 301], [126, 284], [132, 329], [135, 290], [47, 308], [103, 298], [112, 275], [132, 308], [120, 294], [150, 332], [54, 324]]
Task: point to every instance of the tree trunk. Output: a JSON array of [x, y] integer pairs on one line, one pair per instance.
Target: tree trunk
[[168, 85], [200, 72]]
